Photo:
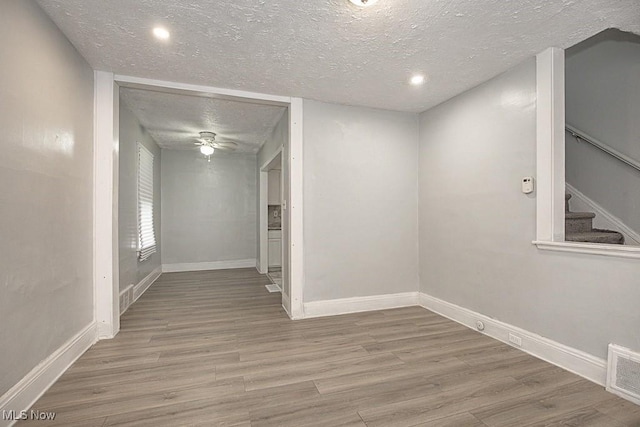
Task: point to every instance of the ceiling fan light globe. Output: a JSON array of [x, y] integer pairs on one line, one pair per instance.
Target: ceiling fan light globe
[[363, 3], [207, 150]]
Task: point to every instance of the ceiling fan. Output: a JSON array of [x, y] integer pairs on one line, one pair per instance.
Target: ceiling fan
[[208, 143]]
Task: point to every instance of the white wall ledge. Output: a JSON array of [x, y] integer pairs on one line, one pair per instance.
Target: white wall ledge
[[619, 251]]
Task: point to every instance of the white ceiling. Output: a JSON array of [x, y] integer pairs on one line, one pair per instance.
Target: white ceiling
[[331, 50], [174, 121]]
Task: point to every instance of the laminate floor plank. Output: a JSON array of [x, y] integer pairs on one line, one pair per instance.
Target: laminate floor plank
[[234, 369], [76, 411], [367, 378], [464, 419], [139, 374], [290, 375], [621, 410], [544, 405], [215, 348], [444, 402], [586, 417]]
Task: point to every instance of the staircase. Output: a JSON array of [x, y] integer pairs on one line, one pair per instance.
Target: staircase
[[579, 228]]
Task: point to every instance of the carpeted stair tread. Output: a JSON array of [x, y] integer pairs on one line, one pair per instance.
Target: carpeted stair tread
[[579, 228], [596, 236], [579, 215]]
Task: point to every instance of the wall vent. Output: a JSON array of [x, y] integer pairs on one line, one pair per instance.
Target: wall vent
[[126, 298], [623, 373]]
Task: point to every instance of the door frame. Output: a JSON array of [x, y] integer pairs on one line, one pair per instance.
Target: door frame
[[263, 220], [105, 185]]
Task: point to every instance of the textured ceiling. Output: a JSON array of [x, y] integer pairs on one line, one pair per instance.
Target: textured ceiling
[[174, 121], [331, 50]]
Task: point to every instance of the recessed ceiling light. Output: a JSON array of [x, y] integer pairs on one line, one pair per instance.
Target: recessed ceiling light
[[363, 3], [161, 33], [418, 80]]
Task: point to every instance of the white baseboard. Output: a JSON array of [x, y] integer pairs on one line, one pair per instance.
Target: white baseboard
[[132, 293], [24, 394], [603, 219], [145, 283], [286, 304], [571, 359], [359, 304], [215, 265]]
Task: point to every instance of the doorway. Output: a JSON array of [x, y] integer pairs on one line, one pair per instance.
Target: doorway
[[106, 222], [272, 227]]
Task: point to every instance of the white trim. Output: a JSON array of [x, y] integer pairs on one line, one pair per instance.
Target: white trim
[[603, 218], [550, 153], [263, 224], [285, 302], [105, 205], [573, 360], [145, 283], [199, 90], [295, 211], [263, 210], [284, 240], [359, 304], [619, 251], [214, 265], [25, 393], [295, 278]]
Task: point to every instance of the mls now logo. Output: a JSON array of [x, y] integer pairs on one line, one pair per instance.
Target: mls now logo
[[28, 415], [14, 415]]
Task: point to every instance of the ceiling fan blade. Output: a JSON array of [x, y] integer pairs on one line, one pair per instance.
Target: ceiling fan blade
[[226, 149], [225, 145]]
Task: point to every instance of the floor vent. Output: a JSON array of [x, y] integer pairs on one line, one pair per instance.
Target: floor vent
[[272, 288], [623, 373]]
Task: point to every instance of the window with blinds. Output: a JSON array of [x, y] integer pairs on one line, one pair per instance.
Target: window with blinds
[[146, 233]]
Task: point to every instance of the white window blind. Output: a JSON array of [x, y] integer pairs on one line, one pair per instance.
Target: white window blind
[[146, 233]]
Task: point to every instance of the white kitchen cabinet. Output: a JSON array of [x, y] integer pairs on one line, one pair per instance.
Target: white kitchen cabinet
[[275, 252]]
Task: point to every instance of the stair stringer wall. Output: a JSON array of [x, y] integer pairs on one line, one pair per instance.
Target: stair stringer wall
[[602, 100], [579, 202]]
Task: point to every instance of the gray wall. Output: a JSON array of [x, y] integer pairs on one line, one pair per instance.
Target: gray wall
[[476, 227], [209, 210], [133, 271], [603, 100], [46, 171], [279, 137], [360, 201]]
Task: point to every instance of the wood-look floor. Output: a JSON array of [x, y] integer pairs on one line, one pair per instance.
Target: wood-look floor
[[215, 348]]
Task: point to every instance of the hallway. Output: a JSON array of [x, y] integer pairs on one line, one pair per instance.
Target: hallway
[[215, 348]]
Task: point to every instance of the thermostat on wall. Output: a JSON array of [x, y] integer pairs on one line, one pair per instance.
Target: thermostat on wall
[[527, 185]]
